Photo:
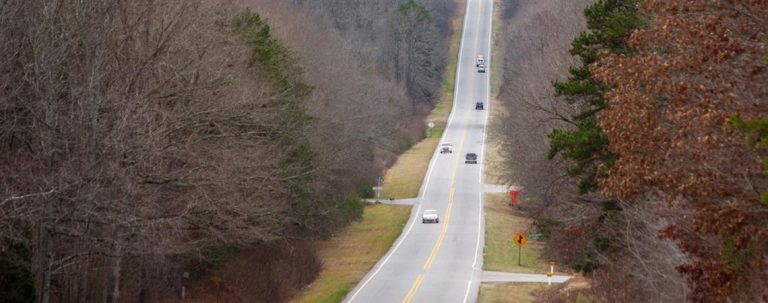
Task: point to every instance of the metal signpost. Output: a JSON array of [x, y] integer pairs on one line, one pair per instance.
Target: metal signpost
[[431, 125], [551, 272], [520, 239], [379, 181]]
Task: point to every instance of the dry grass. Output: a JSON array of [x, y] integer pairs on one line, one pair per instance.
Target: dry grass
[[508, 292], [494, 168], [443, 109], [494, 162], [497, 50], [404, 179], [348, 256], [500, 253]]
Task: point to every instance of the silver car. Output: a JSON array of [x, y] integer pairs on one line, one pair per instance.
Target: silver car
[[480, 60], [446, 148], [430, 215]]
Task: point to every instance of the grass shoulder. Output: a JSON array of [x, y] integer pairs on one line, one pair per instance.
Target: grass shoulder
[[349, 255], [501, 254], [508, 292], [403, 180], [498, 49]]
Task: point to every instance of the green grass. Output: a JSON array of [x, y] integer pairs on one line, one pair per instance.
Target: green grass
[[436, 132], [348, 256], [508, 292], [501, 253]]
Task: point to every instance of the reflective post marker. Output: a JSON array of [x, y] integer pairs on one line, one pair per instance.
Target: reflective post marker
[[551, 272]]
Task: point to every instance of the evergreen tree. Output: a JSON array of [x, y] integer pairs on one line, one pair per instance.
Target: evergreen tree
[[609, 22]]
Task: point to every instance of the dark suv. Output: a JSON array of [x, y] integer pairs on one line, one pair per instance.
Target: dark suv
[[470, 158], [479, 106]]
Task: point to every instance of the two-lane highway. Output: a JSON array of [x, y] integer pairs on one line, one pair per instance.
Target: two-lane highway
[[442, 262]]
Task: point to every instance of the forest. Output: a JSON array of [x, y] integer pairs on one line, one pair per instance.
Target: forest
[[656, 179], [145, 143]]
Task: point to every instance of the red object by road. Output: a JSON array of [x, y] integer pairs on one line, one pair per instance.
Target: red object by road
[[513, 194]]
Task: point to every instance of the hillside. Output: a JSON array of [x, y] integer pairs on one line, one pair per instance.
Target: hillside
[[146, 144], [642, 158]]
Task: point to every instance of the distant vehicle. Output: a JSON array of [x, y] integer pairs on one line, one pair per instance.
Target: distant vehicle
[[446, 148], [480, 60], [470, 158], [481, 68], [479, 105], [430, 215]]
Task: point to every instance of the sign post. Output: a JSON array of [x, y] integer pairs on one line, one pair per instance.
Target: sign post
[[379, 181], [551, 272], [431, 125], [520, 239]]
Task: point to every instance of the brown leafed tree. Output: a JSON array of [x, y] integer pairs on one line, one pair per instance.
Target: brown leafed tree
[[133, 133], [696, 65]]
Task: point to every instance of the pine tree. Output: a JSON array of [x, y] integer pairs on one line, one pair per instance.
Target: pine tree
[[609, 22]]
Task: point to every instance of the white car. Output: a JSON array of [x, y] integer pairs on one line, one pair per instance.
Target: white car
[[480, 60], [481, 68], [446, 148], [430, 215]]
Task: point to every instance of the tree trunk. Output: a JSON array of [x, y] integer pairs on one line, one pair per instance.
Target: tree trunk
[[44, 292], [116, 270]]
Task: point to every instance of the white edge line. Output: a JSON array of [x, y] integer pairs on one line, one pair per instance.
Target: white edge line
[[425, 184], [480, 229], [487, 97], [384, 261], [466, 294]]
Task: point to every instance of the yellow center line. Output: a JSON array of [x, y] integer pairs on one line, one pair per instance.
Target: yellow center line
[[444, 229], [415, 286]]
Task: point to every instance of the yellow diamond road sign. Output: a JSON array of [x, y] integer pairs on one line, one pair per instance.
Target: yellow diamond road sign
[[520, 239]]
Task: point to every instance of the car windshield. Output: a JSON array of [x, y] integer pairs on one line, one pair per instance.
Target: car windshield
[[471, 155], [430, 212]]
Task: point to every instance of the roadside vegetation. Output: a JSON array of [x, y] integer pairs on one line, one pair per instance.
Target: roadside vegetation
[[403, 180], [647, 128], [349, 255], [509, 292], [502, 221], [202, 135]]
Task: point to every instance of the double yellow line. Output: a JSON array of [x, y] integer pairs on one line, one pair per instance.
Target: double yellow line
[[444, 229]]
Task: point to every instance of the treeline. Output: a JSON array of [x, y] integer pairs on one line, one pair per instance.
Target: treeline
[[405, 39], [139, 140], [661, 134]]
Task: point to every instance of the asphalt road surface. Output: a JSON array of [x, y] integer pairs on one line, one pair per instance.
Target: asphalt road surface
[[443, 262]]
